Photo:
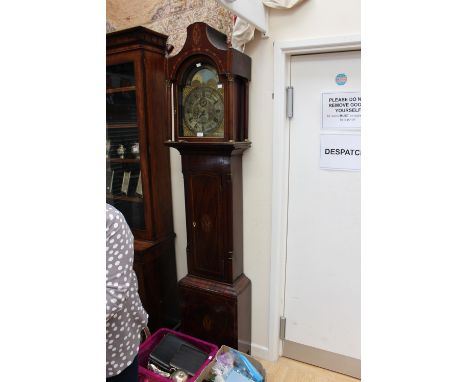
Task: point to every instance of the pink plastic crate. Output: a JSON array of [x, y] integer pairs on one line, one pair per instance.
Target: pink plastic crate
[[145, 375]]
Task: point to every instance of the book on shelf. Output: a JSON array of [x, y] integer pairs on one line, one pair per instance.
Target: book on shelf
[[109, 180], [139, 187], [125, 182]]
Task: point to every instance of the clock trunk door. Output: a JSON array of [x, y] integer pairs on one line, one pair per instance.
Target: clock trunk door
[[205, 226]]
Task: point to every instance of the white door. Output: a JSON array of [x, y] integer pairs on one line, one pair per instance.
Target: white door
[[322, 291]]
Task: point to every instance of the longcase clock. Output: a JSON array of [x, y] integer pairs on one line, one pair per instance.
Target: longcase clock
[[207, 92]]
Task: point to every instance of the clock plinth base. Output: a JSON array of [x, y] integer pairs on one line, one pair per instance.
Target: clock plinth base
[[217, 312]]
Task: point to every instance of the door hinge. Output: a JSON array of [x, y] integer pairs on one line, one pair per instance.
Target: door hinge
[[282, 333], [289, 101]]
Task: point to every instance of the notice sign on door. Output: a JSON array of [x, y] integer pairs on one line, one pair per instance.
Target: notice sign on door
[[341, 110], [340, 152]]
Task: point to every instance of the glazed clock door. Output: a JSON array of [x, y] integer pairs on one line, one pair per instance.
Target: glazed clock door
[[201, 103], [206, 225], [126, 167]]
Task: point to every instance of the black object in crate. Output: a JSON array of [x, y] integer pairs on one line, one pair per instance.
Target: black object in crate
[[173, 353]]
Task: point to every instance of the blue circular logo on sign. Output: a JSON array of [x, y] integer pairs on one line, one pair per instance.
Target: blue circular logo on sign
[[341, 79]]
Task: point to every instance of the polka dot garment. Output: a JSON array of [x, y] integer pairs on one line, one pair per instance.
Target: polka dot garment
[[125, 316]]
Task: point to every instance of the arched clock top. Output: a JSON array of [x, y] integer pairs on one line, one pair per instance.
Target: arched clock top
[[203, 40], [192, 63]]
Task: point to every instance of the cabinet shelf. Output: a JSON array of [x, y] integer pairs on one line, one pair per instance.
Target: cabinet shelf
[[130, 125], [124, 160], [121, 90], [133, 199]]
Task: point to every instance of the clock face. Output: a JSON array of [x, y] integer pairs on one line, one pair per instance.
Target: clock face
[[204, 110], [202, 103]]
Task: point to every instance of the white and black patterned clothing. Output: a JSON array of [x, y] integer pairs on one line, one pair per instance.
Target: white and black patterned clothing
[[125, 316]]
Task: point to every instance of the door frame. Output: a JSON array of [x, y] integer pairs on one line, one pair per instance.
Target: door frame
[[283, 50]]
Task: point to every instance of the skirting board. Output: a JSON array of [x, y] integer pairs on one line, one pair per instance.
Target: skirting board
[[322, 358], [261, 352]]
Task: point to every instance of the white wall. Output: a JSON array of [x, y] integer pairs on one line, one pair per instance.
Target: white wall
[[313, 18]]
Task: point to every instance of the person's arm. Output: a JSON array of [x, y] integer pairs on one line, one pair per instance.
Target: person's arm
[[119, 263]]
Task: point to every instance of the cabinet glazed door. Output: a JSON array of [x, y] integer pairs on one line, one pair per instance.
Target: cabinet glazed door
[[205, 226], [126, 163]]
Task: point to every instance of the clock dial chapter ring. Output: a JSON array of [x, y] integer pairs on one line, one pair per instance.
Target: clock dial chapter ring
[[204, 110]]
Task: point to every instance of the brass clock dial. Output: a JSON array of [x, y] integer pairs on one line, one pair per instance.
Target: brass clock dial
[[203, 111], [202, 103]]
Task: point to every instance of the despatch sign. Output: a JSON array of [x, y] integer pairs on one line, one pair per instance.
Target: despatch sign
[[340, 152], [341, 110]]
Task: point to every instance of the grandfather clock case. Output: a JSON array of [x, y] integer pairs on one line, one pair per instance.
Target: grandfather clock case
[[207, 92]]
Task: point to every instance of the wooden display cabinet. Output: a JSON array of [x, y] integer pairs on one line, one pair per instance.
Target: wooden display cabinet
[[138, 164]]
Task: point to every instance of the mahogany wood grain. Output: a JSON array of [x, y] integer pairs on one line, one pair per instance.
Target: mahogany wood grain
[[216, 295], [217, 312]]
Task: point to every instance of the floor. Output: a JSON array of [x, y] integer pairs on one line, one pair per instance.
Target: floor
[[288, 370]]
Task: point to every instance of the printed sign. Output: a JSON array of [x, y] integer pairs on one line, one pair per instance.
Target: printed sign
[[340, 152], [341, 110]]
